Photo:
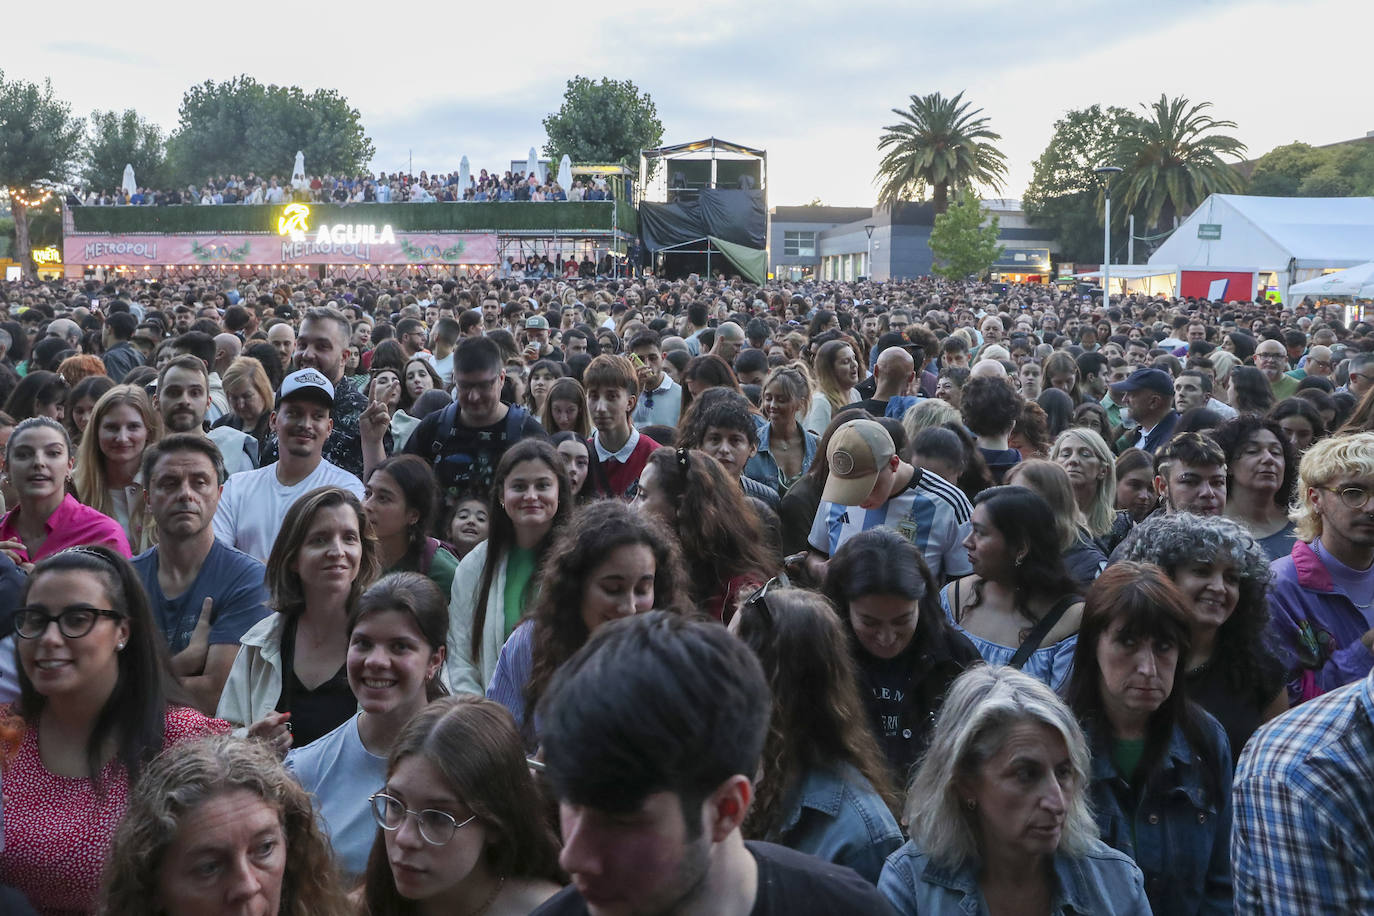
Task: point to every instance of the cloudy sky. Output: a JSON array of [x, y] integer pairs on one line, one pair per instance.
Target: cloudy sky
[[811, 82]]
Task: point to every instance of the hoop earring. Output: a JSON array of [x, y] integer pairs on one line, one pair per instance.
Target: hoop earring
[[971, 804]]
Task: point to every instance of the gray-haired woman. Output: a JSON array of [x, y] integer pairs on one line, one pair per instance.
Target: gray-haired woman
[[998, 816], [1223, 572]]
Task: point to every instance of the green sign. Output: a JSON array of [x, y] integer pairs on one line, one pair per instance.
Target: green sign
[[1209, 232]]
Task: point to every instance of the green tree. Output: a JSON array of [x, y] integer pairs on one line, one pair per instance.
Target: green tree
[[606, 121], [1279, 172], [962, 245], [118, 139], [1064, 196], [1173, 160], [241, 126], [1299, 170], [939, 145], [39, 142]]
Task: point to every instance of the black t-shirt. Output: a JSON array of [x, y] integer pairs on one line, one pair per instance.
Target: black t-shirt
[[314, 713], [790, 884], [465, 459], [873, 406]]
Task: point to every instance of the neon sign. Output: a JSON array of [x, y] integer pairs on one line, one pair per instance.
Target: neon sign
[[49, 255], [295, 222]]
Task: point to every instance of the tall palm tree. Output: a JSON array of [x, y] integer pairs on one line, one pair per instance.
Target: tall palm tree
[[939, 144], [1173, 160]]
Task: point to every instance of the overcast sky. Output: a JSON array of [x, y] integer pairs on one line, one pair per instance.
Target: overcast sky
[[811, 82]]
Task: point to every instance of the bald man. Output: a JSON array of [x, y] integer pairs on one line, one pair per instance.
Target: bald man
[[227, 348], [66, 329], [729, 341], [893, 375], [1318, 362], [988, 368]]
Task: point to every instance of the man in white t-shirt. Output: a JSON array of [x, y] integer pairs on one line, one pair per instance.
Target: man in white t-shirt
[[254, 503]]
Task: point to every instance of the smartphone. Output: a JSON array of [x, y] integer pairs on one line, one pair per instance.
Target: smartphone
[[638, 363]]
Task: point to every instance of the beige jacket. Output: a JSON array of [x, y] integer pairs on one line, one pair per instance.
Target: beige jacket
[[254, 684], [464, 675]]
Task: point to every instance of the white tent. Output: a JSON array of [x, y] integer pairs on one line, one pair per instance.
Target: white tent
[[1296, 238], [1355, 281]]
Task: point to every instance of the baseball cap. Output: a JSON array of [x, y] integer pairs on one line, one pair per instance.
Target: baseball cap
[[1156, 380], [858, 452], [537, 322], [307, 383]]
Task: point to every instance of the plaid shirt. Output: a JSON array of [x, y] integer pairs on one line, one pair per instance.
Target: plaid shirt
[[1303, 837]]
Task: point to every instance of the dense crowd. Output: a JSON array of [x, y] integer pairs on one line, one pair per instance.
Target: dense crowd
[[648, 596], [382, 188]]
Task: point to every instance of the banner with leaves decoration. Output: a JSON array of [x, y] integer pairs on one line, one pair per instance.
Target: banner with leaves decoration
[[268, 250]]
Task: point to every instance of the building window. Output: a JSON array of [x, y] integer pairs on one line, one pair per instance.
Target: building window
[[799, 244]]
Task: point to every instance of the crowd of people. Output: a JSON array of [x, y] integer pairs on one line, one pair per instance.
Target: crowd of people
[[397, 187], [681, 596]]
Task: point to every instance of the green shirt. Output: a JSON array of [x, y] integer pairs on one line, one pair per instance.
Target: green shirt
[[519, 569]]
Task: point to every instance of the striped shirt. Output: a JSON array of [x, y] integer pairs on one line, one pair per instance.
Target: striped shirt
[[1303, 836], [930, 513]]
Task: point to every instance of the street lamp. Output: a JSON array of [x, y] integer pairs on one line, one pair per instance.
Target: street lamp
[[869, 262], [1107, 172]]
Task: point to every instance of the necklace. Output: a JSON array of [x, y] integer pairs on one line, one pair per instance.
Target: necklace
[[491, 898]]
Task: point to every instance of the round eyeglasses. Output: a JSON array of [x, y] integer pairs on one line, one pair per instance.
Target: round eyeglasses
[[436, 827], [1352, 497], [72, 622]]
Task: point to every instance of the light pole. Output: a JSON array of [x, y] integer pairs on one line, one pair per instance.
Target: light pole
[[868, 264], [1107, 172]]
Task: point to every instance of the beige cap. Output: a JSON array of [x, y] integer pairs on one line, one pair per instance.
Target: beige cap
[[858, 452]]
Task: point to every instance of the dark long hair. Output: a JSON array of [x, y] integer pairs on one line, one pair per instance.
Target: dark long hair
[[1149, 606], [882, 562], [1253, 394], [134, 716], [501, 530], [415, 479], [38, 387], [1235, 432], [718, 530], [415, 595], [473, 743], [818, 720], [591, 535], [1025, 521]]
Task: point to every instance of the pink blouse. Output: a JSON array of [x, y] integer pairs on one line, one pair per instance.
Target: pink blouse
[[71, 525], [58, 830]]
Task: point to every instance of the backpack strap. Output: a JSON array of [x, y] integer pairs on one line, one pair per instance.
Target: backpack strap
[[1041, 629]]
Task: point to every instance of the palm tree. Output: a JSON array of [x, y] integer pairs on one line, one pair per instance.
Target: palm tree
[[939, 144], [1172, 161]]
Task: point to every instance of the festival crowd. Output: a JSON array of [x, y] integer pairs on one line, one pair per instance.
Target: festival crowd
[[681, 597], [398, 187]]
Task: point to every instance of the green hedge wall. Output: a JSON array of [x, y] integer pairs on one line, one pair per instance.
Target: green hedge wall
[[514, 216]]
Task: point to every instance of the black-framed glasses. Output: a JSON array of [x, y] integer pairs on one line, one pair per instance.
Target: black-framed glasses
[[72, 622], [436, 827], [1352, 497], [759, 599], [463, 387]]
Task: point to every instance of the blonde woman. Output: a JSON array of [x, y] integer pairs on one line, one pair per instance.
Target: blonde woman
[[109, 461], [837, 372], [1091, 467]]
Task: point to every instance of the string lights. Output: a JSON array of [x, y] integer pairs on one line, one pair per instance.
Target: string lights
[[29, 203]]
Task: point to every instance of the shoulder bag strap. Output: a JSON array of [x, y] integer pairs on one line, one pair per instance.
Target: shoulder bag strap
[[1041, 629]]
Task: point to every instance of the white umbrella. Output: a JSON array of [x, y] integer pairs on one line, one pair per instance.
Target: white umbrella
[[1355, 281], [532, 167], [129, 185], [298, 170], [565, 178], [464, 174]]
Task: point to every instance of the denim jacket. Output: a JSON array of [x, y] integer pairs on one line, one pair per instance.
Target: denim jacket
[[838, 816], [763, 468], [1101, 883], [1182, 830]]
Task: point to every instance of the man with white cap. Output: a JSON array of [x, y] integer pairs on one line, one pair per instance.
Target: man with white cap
[[254, 503], [870, 485]]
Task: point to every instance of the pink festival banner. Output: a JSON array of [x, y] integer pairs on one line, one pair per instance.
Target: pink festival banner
[[244, 249]]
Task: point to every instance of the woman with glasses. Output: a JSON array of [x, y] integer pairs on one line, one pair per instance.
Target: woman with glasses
[[397, 637], [1261, 477], [289, 684], [824, 787], [237, 793], [461, 822], [97, 701], [607, 562]]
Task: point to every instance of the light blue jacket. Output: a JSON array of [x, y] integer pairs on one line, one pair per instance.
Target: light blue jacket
[[838, 816], [1102, 883], [764, 468]]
